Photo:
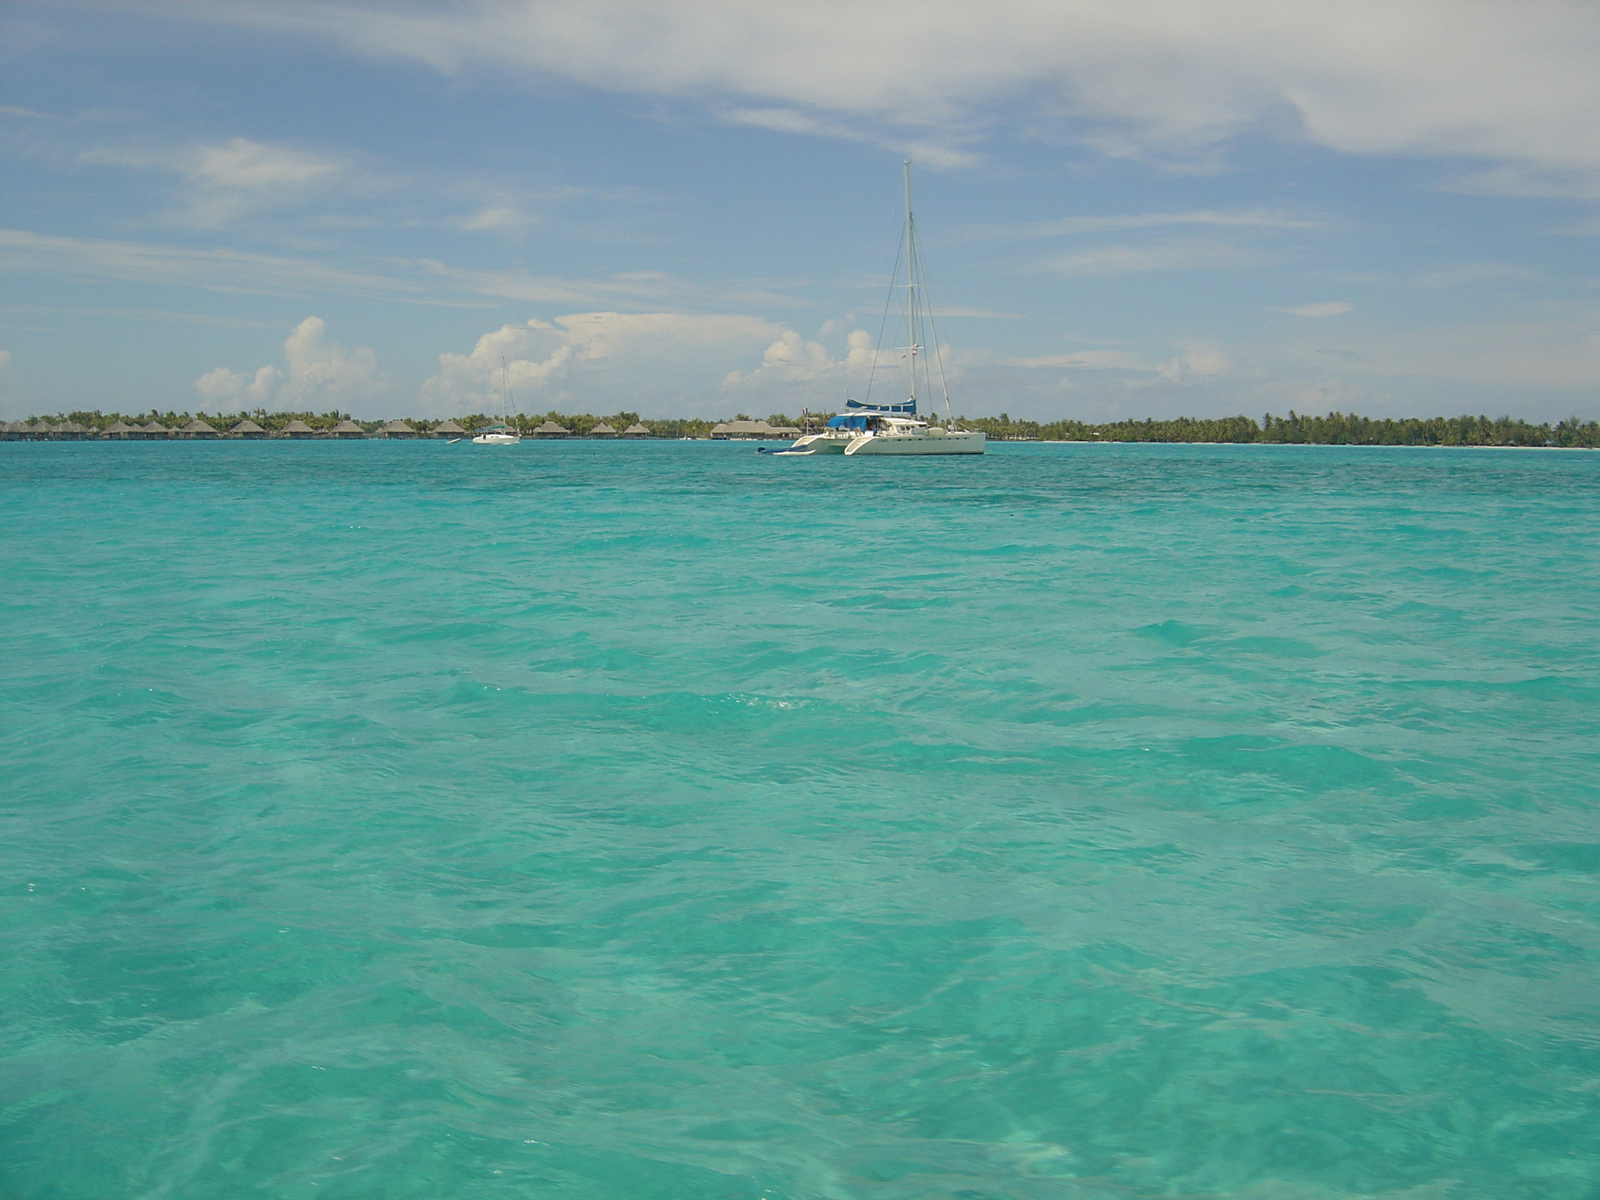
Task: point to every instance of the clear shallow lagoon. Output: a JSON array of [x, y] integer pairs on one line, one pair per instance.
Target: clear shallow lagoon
[[662, 822]]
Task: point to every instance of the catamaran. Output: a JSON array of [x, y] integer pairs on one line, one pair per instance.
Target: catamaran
[[867, 428], [502, 434]]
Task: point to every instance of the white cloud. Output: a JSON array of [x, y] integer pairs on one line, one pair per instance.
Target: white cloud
[[497, 218], [943, 155], [1499, 80], [221, 388], [240, 175], [666, 363], [1557, 354], [215, 269], [223, 181], [1468, 274], [630, 287], [1031, 230], [1323, 308], [421, 281], [1196, 362], [321, 375], [792, 360], [1084, 360], [1165, 256]]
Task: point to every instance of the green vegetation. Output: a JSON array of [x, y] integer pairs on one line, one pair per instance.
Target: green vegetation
[[1335, 429]]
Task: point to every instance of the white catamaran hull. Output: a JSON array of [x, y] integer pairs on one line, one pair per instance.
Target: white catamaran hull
[[819, 443], [953, 442]]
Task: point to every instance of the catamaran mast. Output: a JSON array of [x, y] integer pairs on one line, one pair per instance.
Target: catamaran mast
[[911, 291]]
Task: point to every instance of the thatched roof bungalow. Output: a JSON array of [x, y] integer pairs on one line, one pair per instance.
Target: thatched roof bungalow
[[398, 428], [602, 430], [155, 429], [637, 429], [746, 430], [348, 429], [298, 429], [120, 430], [551, 429], [197, 429], [12, 430], [247, 429], [447, 429]]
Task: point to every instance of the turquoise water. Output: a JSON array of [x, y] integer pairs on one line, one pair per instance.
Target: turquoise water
[[665, 821]]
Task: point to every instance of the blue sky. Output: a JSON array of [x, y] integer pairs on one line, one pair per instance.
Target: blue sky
[[1127, 209]]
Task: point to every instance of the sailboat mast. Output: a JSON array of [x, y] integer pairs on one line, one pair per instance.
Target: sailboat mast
[[911, 291]]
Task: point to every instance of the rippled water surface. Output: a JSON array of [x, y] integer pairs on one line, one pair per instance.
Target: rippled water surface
[[665, 822]]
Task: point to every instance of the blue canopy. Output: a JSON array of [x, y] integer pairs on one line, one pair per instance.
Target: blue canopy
[[847, 421], [910, 406]]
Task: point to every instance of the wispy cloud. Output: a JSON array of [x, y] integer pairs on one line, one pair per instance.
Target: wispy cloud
[[426, 281], [1084, 360], [1513, 83], [149, 314], [223, 181], [1170, 256], [1068, 226], [1322, 308], [215, 268], [938, 154], [1468, 274]]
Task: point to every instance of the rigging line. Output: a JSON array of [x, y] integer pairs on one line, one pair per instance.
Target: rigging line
[[883, 325], [933, 328]]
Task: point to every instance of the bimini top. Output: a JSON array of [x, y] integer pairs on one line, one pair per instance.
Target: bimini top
[[859, 420]]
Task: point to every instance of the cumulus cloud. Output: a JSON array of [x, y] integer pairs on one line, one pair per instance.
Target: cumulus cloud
[[1196, 362], [667, 363], [1498, 80], [321, 375], [221, 388]]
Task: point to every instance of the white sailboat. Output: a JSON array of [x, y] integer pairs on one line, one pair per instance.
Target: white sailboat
[[503, 434], [865, 428]]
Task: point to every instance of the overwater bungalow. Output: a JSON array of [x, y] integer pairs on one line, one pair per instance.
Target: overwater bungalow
[[447, 429], [759, 430], [637, 429], [349, 430], [71, 431], [298, 429], [551, 430], [10, 431], [197, 429], [602, 430], [41, 430], [155, 429], [398, 428], [120, 430], [247, 429]]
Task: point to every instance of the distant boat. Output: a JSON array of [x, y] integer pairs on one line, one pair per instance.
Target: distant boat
[[502, 434], [866, 428]]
